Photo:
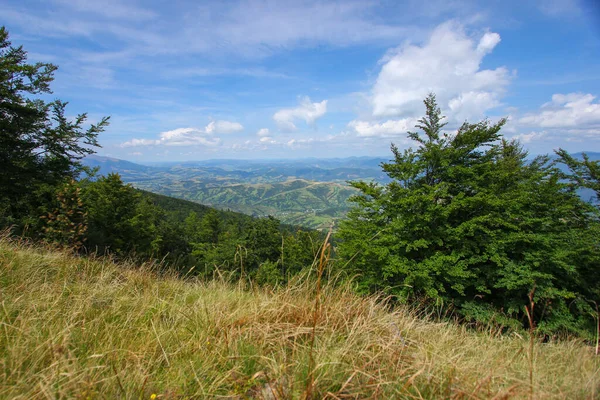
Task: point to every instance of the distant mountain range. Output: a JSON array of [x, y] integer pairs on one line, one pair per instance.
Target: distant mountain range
[[308, 192], [248, 171]]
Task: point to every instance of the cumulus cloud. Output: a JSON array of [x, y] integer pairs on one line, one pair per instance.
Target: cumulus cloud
[[189, 136], [573, 110], [177, 137], [448, 64], [388, 128], [263, 132], [225, 127], [306, 110]]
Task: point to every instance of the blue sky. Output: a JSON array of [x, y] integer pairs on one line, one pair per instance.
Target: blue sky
[[192, 80]]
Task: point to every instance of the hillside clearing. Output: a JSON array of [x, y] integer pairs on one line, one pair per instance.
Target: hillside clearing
[[82, 328]]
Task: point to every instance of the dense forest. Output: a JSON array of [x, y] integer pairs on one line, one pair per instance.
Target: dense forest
[[467, 222]]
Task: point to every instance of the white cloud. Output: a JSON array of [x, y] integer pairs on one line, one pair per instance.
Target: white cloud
[[177, 137], [574, 110], [267, 140], [138, 142], [189, 136], [331, 140], [530, 137], [448, 64], [471, 105], [223, 127], [263, 132], [294, 143], [306, 111], [388, 128]]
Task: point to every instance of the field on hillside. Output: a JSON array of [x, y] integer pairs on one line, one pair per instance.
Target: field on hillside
[[82, 328]]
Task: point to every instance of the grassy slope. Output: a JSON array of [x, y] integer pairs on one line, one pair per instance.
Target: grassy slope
[[79, 328]]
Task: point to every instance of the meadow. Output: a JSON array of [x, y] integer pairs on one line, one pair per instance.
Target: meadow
[[87, 328]]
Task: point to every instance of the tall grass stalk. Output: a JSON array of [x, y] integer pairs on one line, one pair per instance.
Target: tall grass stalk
[[323, 260], [529, 310]]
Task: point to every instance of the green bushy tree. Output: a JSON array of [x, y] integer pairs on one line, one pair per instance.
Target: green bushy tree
[[300, 251], [66, 224], [467, 221], [40, 147], [119, 220]]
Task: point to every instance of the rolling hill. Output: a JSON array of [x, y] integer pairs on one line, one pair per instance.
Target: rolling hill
[[310, 193], [295, 202]]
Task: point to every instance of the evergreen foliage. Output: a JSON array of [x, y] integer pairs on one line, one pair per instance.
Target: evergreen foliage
[[40, 147], [120, 221], [126, 222], [468, 222], [67, 223]]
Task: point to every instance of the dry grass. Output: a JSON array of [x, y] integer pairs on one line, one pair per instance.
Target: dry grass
[[80, 328]]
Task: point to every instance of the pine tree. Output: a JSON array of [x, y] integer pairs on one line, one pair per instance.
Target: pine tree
[[467, 221], [40, 147], [66, 224]]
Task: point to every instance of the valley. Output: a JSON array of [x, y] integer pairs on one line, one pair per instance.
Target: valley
[[312, 193]]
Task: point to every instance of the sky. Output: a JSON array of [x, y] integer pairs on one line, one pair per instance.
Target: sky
[[194, 80]]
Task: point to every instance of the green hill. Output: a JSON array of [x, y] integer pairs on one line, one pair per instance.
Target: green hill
[[91, 329], [295, 202], [180, 209], [311, 193]]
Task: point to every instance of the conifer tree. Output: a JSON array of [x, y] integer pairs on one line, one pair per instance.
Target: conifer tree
[[40, 147], [469, 222]]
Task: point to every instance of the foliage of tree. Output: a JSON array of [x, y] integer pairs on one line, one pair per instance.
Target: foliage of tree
[[40, 147], [66, 224], [468, 222], [119, 220], [583, 173]]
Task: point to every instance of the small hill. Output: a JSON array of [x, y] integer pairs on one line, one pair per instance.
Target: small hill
[[296, 202], [84, 328], [180, 209]]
